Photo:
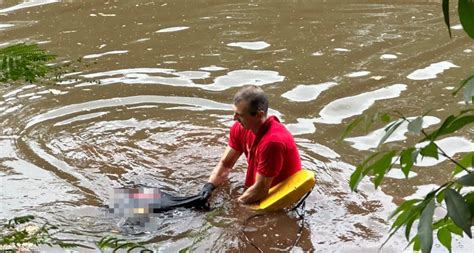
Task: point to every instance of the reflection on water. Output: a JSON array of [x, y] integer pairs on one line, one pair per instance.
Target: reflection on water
[[172, 29], [372, 140], [156, 109], [255, 45], [27, 4], [236, 78], [305, 93], [336, 111], [431, 71]]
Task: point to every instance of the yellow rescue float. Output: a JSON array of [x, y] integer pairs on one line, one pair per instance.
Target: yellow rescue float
[[288, 192]]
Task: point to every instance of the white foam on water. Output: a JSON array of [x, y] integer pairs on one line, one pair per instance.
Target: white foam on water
[[107, 14], [319, 149], [236, 78], [34, 97], [450, 145], [358, 74], [431, 71], [421, 191], [254, 45], [4, 26], [377, 77], [337, 110], [467, 51], [122, 101], [457, 27], [304, 126], [239, 78], [305, 93], [141, 40], [341, 49], [319, 53], [372, 140], [80, 118], [212, 68], [130, 71], [398, 174], [28, 4], [388, 57], [172, 29], [91, 56], [14, 92]]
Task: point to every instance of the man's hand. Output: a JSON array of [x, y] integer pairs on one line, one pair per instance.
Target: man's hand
[[257, 191], [206, 192]]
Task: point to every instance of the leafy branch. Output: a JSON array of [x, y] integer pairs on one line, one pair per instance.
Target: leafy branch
[[20, 232], [460, 210], [460, 207], [29, 62], [117, 244], [24, 62]]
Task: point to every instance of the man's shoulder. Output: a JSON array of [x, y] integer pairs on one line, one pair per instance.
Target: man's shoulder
[[278, 134]]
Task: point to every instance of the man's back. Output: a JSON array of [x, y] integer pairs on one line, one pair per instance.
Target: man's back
[[271, 153]]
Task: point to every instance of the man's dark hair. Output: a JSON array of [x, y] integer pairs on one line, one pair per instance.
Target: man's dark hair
[[254, 97]]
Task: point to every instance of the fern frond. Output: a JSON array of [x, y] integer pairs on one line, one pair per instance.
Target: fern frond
[[23, 61]]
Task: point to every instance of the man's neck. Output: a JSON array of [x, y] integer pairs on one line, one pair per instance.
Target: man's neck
[[259, 126]]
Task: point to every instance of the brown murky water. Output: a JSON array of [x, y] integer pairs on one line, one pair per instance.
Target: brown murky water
[[161, 112]]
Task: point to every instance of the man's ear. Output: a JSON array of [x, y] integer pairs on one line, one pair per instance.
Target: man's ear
[[260, 114]]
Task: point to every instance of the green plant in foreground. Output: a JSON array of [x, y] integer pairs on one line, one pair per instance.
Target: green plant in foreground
[[30, 63], [118, 244], [24, 62], [450, 196], [20, 233]]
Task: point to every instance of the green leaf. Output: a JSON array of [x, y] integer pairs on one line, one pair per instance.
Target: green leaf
[[416, 245], [457, 124], [440, 196], [425, 227], [466, 180], [355, 178], [407, 205], [436, 133], [389, 131], [385, 117], [466, 14], [444, 237], [463, 84], [416, 125], [455, 229], [470, 202], [458, 210], [466, 162], [430, 150], [402, 218], [358, 174], [469, 91], [446, 15], [408, 226], [23, 61], [381, 166], [351, 127], [406, 160]]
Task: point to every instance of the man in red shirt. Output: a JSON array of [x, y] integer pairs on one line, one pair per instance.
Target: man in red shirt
[[269, 147]]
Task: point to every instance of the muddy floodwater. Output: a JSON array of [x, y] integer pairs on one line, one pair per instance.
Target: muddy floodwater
[[151, 102]]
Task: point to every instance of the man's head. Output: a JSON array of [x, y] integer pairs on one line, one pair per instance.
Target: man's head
[[250, 107]]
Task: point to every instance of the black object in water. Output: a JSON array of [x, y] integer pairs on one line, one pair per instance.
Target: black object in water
[[133, 202]]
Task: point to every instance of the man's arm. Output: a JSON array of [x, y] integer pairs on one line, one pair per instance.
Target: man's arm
[[258, 191], [223, 167]]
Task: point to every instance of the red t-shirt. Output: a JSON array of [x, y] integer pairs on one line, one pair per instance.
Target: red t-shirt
[[271, 153]]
